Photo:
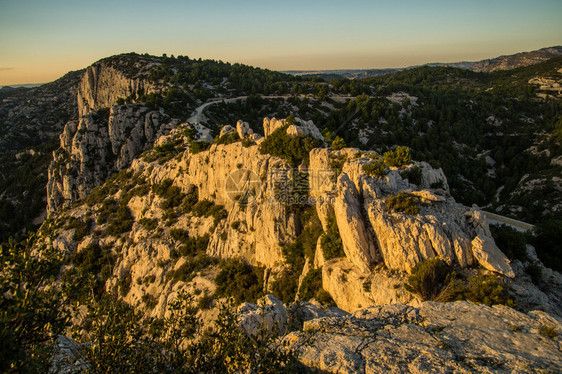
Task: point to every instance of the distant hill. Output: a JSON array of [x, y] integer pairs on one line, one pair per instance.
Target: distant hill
[[510, 61], [506, 62]]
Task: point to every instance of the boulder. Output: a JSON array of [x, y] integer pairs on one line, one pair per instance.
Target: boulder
[[487, 253], [226, 129]]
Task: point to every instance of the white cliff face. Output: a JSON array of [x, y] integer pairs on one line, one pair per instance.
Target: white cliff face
[[102, 85], [358, 243], [97, 145], [241, 179], [443, 228]]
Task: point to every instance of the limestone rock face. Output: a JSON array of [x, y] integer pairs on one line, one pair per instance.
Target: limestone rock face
[[490, 256], [305, 128], [270, 125], [102, 84], [299, 128], [358, 243], [458, 337], [243, 129], [371, 232], [97, 145], [269, 313], [351, 289], [242, 180]]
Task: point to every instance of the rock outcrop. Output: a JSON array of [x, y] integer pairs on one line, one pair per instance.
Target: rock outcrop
[[299, 128], [490, 256], [458, 337], [98, 144], [103, 83], [358, 243]]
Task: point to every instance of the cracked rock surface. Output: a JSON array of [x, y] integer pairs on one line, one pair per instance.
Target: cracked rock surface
[[458, 337]]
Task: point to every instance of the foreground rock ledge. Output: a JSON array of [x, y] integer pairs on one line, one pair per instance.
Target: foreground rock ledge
[[458, 337]]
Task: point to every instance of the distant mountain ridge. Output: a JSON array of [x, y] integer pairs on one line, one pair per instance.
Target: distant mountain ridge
[[504, 62]]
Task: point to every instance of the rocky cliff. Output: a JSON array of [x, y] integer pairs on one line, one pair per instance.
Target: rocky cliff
[[171, 221], [380, 245], [98, 144], [108, 80]]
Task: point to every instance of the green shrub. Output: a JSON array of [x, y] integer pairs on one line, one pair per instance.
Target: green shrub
[[81, 228], [240, 281], [121, 222], [199, 146], [189, 269], [125, 284], [414, 175], [367, 285], [149, 223], [486, 289], [206, 208], [546, 240], [324, 298], [375, 168], [311, 284], [548, 331], [205, 301], [164, 152], [179, 235], [247, 142], [228, 138], [108, 208], [398, 158], [189, 201], [149, 301], [192, 246], [331, 242], [338, 143], [31, 315], [294, 149], [403, 202], [337, 162], [173, 197], [100, 193], [535, 272], [433, 280], [286, 285]]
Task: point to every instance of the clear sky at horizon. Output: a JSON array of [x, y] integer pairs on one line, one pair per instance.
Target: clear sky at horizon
[[42, 40]]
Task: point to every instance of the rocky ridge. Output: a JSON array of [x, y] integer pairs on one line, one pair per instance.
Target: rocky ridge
[[98, 144], [381, 246]]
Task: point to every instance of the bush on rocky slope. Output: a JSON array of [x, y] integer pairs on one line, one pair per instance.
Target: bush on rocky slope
[[434, 280], [294, 149], [239, 281], [403, 202]]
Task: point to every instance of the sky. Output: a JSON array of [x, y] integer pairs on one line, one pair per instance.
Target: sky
[[41, 40]]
